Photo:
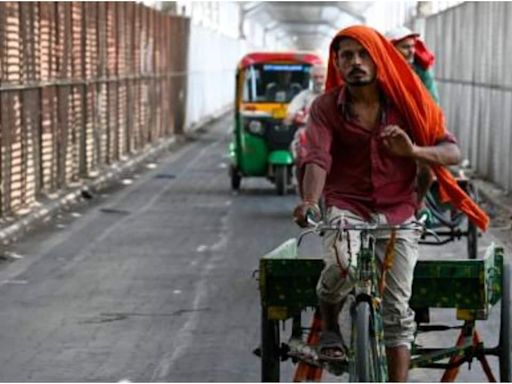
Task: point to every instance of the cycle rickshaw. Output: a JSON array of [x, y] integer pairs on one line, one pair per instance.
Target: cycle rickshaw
[[449, 224], [473, 287]]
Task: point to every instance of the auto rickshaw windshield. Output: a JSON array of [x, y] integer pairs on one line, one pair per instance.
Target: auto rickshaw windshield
[[275, 83]]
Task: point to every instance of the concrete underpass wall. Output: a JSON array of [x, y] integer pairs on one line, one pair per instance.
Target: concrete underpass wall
[[473, 51], [213, 58]]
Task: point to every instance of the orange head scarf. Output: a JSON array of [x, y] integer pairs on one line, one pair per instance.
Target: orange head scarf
[[416, 106]]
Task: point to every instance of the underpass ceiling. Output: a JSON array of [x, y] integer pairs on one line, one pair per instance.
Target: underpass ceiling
[[306, 25]]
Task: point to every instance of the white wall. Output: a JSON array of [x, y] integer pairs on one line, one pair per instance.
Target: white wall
[[385, 15], [213, 58], [472, 46], [214, 52]]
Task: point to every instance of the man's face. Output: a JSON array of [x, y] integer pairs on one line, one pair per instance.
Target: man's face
[[318, 76], [406, 48], [355, 64]]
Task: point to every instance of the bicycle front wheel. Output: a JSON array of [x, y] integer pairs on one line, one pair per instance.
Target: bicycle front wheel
[[368, 364]]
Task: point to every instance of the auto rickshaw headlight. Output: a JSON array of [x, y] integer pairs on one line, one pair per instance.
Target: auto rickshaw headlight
[[255, 127]]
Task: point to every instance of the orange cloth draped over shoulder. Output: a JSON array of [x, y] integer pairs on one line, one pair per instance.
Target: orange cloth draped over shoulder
[[426, 120]]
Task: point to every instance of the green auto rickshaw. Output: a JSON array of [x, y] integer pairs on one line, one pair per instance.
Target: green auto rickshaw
[[266, 82]]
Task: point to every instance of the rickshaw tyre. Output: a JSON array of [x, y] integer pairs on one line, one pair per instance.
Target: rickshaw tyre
[[472, 228], [270, 356], [455, 218], [281, 179], [505, 331], [363, 344], [472, 240], [236, 179]]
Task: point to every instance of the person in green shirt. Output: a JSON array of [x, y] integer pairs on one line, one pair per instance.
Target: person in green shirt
[[415, 52]]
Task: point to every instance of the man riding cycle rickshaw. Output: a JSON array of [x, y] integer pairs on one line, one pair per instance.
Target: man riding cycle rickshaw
[[365, 136]]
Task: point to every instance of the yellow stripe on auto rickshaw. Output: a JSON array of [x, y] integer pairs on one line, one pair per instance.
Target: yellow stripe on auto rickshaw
[[275, 110]]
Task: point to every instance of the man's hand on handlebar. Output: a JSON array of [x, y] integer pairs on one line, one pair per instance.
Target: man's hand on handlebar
[[304, 210], [424, 215]]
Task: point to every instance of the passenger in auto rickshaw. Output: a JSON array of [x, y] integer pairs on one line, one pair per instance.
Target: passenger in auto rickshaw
[[297, 114], [283, 89], [299, 106]]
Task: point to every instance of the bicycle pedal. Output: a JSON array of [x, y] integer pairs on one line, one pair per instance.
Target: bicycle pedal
[[336, 368]]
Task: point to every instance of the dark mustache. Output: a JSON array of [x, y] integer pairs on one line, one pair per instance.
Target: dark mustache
[[356, 71]]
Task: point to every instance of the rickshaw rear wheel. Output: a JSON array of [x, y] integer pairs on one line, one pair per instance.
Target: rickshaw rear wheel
[[472, 240], [270, 354], [504, 346], [235, 178], [281, 175]]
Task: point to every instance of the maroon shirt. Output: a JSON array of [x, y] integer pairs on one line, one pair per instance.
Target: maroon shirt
[[362, 176]]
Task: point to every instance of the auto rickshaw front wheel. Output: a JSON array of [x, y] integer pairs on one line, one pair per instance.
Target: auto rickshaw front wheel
[[281, 177], [236, 178]]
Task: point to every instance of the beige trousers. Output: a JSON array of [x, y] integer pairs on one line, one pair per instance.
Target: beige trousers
[[397, 316]]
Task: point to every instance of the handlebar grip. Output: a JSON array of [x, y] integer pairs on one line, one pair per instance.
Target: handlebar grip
[[425, 216], [311, 217]]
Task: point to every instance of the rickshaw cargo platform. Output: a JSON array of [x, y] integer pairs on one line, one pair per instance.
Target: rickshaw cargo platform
[[472, 287]]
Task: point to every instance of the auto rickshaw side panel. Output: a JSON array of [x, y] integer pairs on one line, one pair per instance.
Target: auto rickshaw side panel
[[250, 151]]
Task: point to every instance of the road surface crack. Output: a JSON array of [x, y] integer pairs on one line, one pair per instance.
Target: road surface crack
[[108, 317]]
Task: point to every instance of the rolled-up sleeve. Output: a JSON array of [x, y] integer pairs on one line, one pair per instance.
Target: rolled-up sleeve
[[318, 138], [447, 138]]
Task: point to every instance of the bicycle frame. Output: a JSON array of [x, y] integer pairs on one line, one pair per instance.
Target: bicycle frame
[[367, 356], [366, 292]]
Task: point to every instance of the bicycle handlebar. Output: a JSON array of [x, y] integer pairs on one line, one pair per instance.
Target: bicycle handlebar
[[416, 224], [320, 226]]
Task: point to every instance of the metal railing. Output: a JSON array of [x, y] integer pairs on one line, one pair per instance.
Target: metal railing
[[83, 85]]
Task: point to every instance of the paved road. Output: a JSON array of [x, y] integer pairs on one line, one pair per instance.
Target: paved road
[[151, 280]]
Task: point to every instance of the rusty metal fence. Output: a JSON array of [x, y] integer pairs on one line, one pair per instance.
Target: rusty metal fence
[[473, 52], [83, 85]]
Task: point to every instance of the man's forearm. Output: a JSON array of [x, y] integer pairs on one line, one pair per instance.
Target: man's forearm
[[313, 183], [423, 180], [442, 154]]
